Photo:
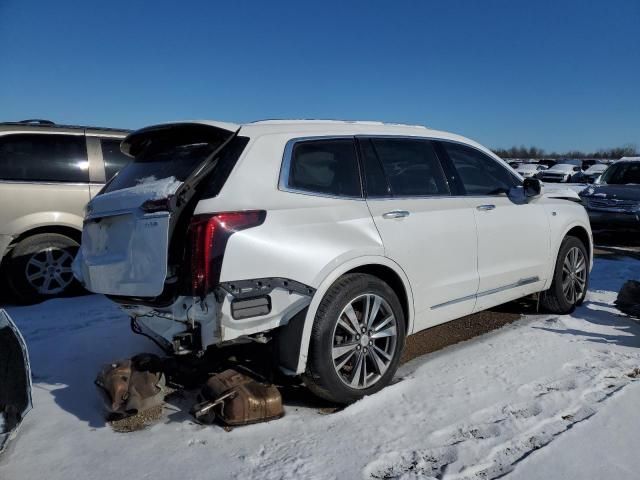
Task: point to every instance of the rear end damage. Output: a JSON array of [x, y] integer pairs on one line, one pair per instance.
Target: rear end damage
[[144, 248]]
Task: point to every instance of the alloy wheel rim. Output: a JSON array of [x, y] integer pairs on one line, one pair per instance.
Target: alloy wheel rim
[[574, 275], [364, 341], [49, 271]]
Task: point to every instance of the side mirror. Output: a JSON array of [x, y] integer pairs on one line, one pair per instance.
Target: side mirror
[[532, 187]]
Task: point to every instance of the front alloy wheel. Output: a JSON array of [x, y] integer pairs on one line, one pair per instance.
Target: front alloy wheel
[[570, 278], [574, 275]]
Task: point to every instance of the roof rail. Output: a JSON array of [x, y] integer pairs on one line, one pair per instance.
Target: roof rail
[[37, 121]]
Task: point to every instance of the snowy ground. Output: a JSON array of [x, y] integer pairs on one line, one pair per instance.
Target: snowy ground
[[545, 397]]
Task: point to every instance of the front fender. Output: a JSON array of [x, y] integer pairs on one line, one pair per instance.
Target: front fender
[[325, 283]]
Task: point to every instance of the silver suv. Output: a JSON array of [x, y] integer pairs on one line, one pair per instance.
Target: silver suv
[[48, 173]]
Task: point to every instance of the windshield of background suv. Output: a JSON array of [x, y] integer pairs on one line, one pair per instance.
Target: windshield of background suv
[[622, 174]]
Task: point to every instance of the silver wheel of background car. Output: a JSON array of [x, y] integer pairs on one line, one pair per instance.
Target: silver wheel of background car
[[49, 271], [574, 275], [364, 341]]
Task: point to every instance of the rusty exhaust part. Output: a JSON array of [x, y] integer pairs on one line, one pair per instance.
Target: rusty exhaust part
[[236, 399], [131, 386]]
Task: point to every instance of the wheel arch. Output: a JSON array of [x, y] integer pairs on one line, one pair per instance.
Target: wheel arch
[[68, 231], [575, 229], [382, 267]]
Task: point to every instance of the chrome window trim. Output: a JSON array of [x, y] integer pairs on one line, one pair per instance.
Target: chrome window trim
[[283, 178], [285, 168]]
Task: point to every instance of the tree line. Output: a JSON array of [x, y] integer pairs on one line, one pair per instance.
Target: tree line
[[535, 152]]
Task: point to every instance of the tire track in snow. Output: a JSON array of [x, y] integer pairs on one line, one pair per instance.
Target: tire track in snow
[[499, 437]]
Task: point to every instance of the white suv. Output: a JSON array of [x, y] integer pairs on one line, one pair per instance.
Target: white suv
[[333, 240]]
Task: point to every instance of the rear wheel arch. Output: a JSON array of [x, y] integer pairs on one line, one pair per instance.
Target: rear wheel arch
[[381, 267], [70, 232]]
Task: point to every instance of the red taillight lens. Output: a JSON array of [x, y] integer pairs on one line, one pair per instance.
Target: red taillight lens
[[209, 235]]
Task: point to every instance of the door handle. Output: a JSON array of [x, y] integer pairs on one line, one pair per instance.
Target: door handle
[[395, 214], [486, 207]]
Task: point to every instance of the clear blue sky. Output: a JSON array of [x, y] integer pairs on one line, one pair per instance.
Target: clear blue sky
[[555, 74]]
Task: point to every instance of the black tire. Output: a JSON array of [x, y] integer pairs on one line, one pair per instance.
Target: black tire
[[322, 377], [20, 266], [556, 300]]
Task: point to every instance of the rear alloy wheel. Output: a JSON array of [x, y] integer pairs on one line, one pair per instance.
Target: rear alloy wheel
[[364, 341], [570, 278], [357, 339], [40, 267]]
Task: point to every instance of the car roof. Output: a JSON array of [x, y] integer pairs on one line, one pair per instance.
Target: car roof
[[36, 125], [313, 127]]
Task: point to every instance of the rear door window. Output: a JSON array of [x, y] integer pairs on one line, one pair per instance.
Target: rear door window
[[114, 159], [39, 157], [479, 173], [324, 166], [411, 168]]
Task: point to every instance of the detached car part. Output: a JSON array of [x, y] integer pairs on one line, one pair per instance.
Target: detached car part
[[132, 385], [15, 380], [236, 399]]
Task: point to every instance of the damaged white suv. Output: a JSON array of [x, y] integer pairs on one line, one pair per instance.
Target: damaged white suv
[[333, 240]]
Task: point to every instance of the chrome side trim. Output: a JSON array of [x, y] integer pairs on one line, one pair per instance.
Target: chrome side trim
[[520, 283]]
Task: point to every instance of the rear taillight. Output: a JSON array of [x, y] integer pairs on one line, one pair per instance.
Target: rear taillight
[[209, 235]]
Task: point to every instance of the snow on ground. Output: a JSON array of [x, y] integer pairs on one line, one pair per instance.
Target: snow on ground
[[526, 400]]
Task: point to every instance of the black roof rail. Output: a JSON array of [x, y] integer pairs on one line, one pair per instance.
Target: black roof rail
[[38, 121]]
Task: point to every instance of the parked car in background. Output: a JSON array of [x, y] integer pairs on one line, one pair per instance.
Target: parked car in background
[[547, 162], [590, 174], [527, 170], [613, 202], [560, 172], [515, 165], [48, 173], [330, 240]]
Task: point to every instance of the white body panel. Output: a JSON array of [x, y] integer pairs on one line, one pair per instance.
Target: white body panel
[[437, 248], [450, 257]]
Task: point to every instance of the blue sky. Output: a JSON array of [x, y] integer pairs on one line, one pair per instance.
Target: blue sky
[[558, 75]]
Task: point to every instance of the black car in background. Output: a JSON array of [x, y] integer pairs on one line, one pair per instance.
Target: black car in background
[[613, 203]]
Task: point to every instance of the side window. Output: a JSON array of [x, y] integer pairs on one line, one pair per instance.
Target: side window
[[479, 173], [114, 159], [328, 167], [411, 167], [39, 157]]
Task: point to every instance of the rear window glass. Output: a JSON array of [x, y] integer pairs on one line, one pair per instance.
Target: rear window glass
[[167, 152], [44, 158], [177, 162], [328, 167], [114, 159]]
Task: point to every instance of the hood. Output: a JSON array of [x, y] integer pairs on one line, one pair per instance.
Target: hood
[[564, 192], [620, 192], [15, 380]]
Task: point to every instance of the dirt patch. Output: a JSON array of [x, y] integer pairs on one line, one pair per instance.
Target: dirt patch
[[465, 328]]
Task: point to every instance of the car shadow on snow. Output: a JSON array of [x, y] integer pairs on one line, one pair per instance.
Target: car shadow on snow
[[598, 319]]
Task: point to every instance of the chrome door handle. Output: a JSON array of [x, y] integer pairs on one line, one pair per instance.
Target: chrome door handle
[[486, 207], [395, 214]]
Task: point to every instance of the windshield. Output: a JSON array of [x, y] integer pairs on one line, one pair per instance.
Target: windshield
[[622, 174]]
